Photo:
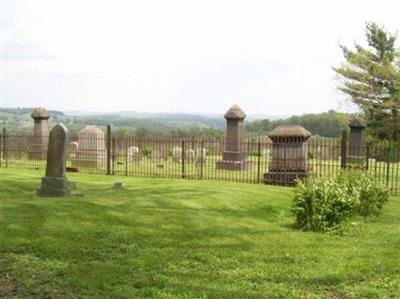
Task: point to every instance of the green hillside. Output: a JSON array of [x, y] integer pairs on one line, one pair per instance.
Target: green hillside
[[167, 238]]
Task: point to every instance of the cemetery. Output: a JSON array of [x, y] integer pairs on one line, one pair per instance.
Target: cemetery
[[191, 149], [286, 154], [199, 224]]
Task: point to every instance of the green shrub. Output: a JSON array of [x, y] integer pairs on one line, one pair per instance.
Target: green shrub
[[323, 203], [147, 151], [253, 153], [371, 196]]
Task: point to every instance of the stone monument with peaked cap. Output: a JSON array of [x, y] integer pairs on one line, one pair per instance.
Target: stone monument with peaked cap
[[289, 155], [39, 142], [357, 127], [234, 157], [55, 183]]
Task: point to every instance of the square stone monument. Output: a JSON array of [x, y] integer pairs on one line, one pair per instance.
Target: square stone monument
[[234, 157], [289, 155], [92, 150], [55, 183], [39, 141], [356, 153]]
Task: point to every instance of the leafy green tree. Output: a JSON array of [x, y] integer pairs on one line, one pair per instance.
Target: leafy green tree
[[371, 77], [326, 124]]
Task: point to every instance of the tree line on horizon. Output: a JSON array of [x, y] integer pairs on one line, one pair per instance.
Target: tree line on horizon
[[326, 124]]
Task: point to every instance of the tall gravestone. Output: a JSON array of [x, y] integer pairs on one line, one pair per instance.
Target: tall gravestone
[[55, 183], [357, 127], [39, 142], [234, 157], [289, 155]]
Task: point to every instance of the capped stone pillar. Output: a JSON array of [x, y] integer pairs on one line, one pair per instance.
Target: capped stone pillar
[[234, 157], [39, 143], [357, 127], [289, 155]]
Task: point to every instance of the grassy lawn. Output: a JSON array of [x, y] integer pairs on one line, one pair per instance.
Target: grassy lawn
[[171, 238]]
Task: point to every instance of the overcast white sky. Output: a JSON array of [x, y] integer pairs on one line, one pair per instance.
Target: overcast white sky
[[269, 57]]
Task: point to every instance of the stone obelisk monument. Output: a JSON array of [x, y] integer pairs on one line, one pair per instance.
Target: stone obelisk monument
[[234, 157], [55, 183]]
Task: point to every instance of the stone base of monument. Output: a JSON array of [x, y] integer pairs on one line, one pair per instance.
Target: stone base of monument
[[233, 161], [233, 165], [54, 187], [88, 163], [283, 178], [37, 155]]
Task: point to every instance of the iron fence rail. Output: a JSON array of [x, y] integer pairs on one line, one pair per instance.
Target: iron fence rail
[[195, 158]]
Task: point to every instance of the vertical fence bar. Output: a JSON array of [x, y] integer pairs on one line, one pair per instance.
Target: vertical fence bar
[[388, 164], [108, 136], [367, 154], [126, 156], [284, 164], [5, 155], [392, 165], [201, 158], [344, 150], [113, 156], [258, 161], [183, 158]]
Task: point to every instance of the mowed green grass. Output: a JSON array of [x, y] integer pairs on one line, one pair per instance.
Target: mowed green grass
[[166, 238]]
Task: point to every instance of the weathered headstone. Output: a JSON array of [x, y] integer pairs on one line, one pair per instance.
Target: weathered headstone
[[55, 183], [190, 155], [289, 155], [92, 150], [133, 154], [177, 154], [234, 157], [73, 149], [201, 155], [39, 141]]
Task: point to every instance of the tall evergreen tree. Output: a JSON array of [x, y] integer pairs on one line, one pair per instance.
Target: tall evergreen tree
[[371, 77]]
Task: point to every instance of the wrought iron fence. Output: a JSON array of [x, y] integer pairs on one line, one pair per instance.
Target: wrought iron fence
[[256, 160]]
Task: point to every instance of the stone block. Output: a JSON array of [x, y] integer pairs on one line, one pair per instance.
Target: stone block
[[233, 165], [54, 187]]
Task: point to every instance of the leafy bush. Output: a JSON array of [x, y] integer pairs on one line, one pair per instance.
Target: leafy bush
[[371, 195], [253, 153], [323, 203], [147, 151]]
